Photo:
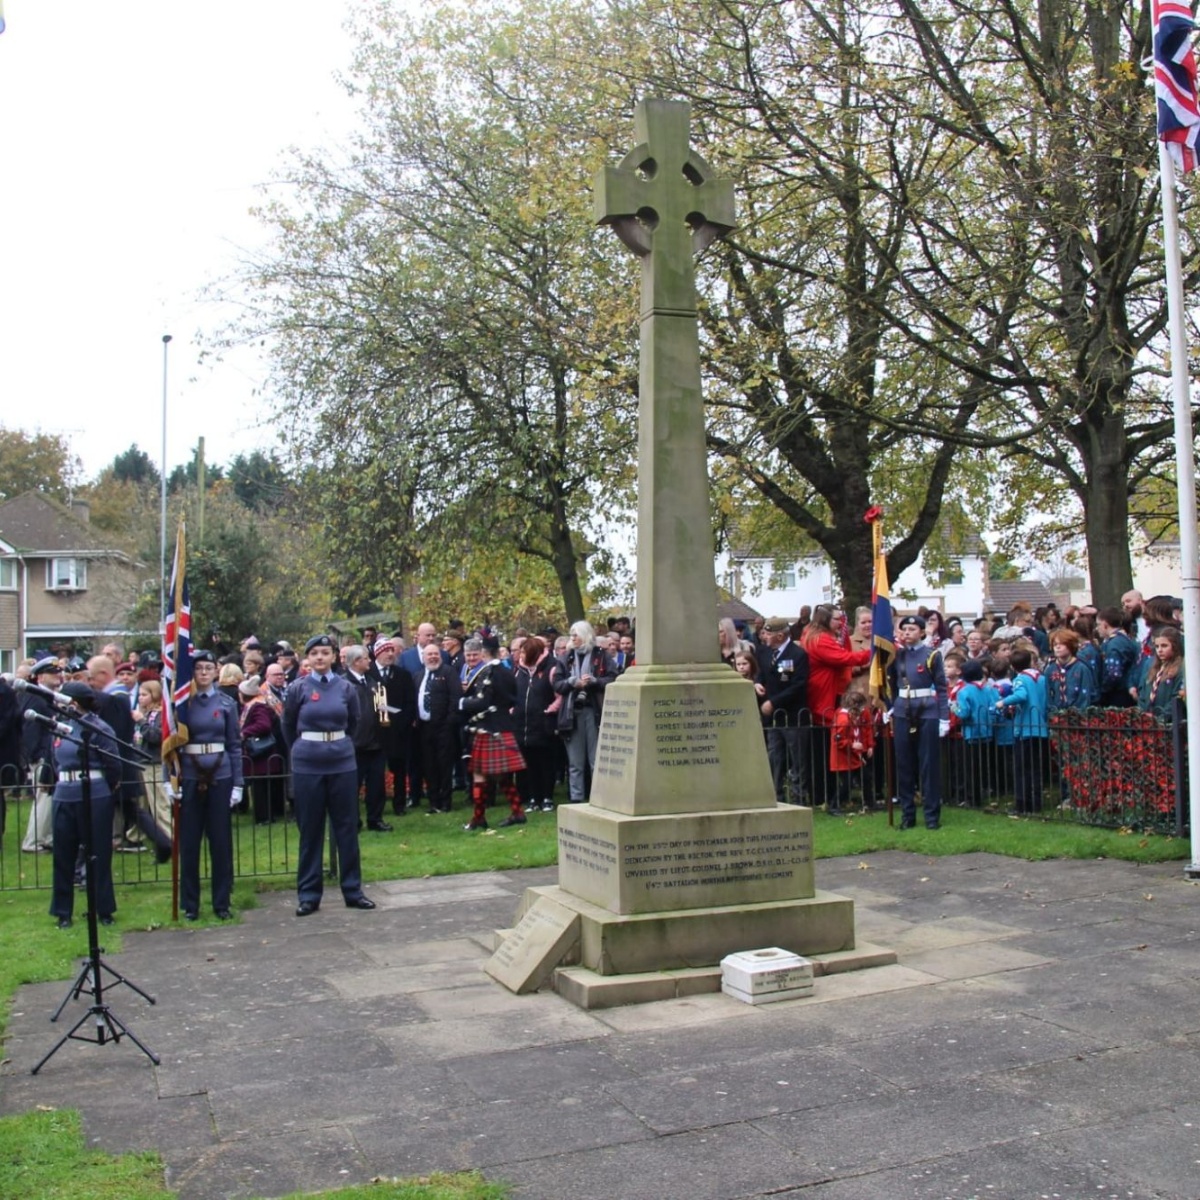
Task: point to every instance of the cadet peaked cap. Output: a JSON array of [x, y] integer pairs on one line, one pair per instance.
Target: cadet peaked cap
[[322, 639], [45, 666], [919, 622], [777, 625]]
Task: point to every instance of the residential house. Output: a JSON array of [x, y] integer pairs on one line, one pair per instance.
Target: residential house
[[782, 585], [63, 588]]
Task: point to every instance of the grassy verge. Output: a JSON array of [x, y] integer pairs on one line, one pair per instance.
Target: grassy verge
[[43, 1157]]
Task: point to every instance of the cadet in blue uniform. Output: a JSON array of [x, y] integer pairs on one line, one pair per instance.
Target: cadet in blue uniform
[[320, 716], [211, 781], [104, 777], [920, 715]]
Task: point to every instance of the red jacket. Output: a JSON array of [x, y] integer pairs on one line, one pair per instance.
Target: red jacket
[[847, 730], [829, 667]]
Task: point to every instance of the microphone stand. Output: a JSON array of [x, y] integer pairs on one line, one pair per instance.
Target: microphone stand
[[108, 1026]]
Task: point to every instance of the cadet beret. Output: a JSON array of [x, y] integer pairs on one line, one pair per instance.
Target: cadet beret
[[919, 622], [44, 666], [81, 693], [203, 656], [322, 639], [777, 625], [126, 666]]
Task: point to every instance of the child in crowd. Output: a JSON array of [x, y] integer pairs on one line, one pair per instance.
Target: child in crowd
[[745, 664], [973, 707], [953, 761], [1031, 733], [1002, 726], [852, 745]]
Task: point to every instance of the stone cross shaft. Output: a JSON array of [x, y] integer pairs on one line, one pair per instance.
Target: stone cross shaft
[[665, 205]]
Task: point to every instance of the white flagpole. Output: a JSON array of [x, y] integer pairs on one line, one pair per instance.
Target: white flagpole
[[1186, 480]]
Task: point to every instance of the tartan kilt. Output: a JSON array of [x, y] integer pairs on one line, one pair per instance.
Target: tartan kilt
[[495, 754]]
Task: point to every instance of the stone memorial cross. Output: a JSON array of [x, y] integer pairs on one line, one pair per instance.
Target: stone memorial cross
[[664, 204]]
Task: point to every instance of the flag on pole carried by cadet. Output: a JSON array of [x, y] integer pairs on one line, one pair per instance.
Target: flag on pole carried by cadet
[[1175, 82], [883, 621], [177, 656]]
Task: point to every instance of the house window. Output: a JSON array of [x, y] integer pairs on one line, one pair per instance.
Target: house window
[[783, 579], [8, 574], [7, 663], [951, 576], [66, 574]]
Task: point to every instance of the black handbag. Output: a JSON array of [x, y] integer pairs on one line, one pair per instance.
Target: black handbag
[[259, 747], [566, 714]]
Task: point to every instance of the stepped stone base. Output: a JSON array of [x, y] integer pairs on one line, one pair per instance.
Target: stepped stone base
[[588, 989], [615, 944]]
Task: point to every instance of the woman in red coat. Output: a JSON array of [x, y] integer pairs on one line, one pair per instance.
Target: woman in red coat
[[263, 770], [830, 664]]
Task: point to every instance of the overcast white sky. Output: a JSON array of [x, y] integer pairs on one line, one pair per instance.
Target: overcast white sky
[[133, 139]]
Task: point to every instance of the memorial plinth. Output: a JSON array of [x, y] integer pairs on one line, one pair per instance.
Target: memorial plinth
[[682, 855]]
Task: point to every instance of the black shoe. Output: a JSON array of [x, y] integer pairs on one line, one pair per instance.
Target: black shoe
[[379, 827], [106, 920], [191, 916], [935, 825], [223, 914], [63, 922], [475, 825], [908, 824], [306, 908], [360, 902], [512, 819]]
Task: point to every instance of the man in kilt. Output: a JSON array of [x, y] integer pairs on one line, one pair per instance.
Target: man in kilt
[[489, 693]]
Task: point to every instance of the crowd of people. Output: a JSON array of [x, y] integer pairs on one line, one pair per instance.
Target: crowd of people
[[968, 709]]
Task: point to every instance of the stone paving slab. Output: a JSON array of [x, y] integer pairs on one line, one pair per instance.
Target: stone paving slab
[[1037, 1037]]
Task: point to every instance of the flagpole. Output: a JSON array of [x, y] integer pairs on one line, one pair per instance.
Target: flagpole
[[1185, 472]]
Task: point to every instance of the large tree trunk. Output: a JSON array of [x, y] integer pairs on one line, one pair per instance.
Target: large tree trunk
[[1106, 528], [566, 567]]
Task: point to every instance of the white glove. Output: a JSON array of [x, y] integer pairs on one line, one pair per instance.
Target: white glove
[[174, 793], [943, 728], [235, 797], [887, 716]]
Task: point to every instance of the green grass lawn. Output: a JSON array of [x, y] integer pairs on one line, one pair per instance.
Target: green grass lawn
[[42, 1154]]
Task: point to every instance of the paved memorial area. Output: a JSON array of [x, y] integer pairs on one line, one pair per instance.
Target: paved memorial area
[[1038, 1037]]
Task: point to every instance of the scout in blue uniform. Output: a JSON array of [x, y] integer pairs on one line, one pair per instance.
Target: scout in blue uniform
[[320, 716], [70, 833], [211, 783], [919, 716]]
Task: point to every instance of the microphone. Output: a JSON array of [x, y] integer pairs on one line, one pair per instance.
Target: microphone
[[55, 698], [49, 722]]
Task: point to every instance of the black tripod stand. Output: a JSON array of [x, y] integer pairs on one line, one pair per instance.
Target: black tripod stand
[[106, 1026]]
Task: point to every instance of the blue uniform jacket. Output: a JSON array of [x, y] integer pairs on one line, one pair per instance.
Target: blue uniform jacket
[[212, 719], [328, 705], [1028, 702], [1072, 686], [68, 756], [974, 708], [915, 669]]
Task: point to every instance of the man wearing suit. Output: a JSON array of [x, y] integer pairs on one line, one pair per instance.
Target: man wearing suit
[[411, 664], [369, 754], [783, 670], [438, 694], [401, 696]]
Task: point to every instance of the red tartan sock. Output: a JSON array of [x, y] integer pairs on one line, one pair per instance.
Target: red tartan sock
[[514, 798], [479, 799]]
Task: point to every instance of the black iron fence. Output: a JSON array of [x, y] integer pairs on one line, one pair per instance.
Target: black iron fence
[[1118, 768]]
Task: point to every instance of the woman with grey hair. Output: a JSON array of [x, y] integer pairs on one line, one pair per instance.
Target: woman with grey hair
[[580, 677]]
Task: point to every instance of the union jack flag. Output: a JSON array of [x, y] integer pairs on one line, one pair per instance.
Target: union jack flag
[[177, 655], [1175, 82]]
